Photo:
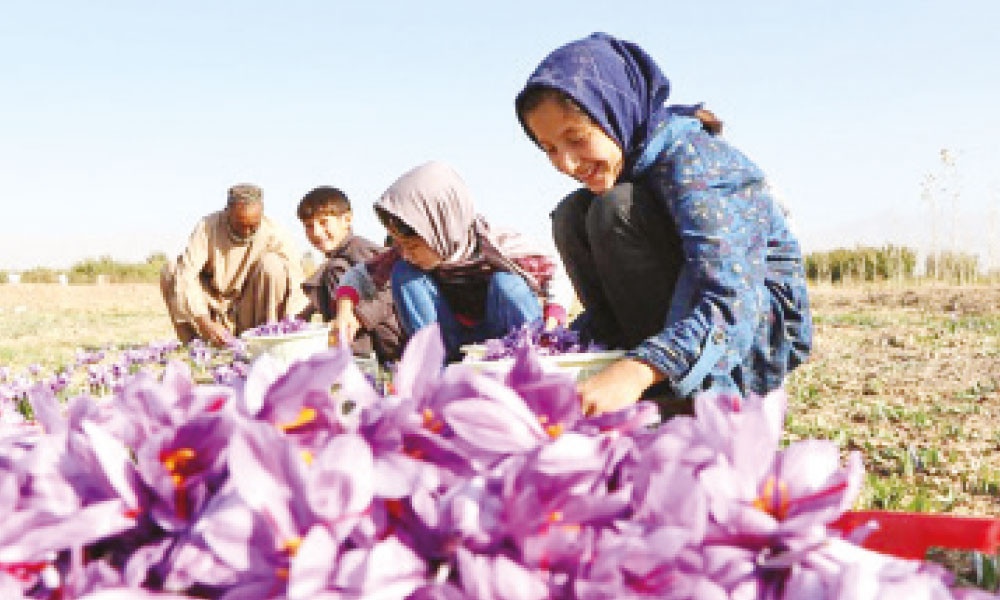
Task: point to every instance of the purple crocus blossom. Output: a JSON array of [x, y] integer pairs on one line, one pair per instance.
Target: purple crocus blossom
[[183, 468], [306, 482]]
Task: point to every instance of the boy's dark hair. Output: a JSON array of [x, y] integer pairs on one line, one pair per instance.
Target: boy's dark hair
[[532, 97], [394, 224], [323, 201]]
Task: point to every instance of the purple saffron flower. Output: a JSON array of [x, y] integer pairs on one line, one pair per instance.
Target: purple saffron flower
[[500, 578], [183, 467]]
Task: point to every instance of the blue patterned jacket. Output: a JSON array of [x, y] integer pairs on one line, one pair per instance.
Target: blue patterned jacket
[[739, 318]]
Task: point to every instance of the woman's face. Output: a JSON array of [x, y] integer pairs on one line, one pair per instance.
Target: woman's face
[[576, 145]]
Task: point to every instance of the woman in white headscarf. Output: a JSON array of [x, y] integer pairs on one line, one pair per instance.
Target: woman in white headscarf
[[447, 266]]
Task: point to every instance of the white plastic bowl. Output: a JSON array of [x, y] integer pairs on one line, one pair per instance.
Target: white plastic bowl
[[580, 364], [289, 347]]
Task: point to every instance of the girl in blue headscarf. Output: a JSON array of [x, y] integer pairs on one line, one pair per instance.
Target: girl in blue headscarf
[[675, 245]]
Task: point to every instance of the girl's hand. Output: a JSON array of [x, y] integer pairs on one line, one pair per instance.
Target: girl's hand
[[345, 324], [551, 323], [617, 386]]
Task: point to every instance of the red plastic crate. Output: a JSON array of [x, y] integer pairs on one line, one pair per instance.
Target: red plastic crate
[[910, 535]]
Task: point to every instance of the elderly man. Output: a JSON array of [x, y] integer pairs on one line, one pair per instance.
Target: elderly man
[[239, 270]]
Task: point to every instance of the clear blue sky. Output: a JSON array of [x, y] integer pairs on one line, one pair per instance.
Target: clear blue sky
[[122, 123]]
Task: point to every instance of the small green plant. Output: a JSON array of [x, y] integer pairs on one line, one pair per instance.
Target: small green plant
[[986, 570]]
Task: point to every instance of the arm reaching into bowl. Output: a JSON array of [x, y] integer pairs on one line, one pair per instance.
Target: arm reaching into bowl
[[345, 323]]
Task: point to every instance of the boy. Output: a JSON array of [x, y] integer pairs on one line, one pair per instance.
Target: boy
[[326, 215]]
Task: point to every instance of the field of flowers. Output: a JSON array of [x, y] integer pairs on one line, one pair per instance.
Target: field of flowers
[[509, 493]]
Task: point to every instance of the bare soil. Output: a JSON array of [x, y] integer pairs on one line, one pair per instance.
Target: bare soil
[[911, 378]]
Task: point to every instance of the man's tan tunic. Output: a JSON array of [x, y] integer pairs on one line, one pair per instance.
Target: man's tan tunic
[[239, 286]]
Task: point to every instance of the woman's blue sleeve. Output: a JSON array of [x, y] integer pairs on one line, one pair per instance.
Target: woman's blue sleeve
[[714, 195]]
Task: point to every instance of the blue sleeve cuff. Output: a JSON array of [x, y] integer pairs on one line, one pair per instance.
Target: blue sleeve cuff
[[712, 351]]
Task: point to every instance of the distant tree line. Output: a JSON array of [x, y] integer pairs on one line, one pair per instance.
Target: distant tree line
[[892, 263], [860, 264], [90, 269]]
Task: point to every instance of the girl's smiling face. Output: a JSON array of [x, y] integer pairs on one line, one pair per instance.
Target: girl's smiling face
[[575, 145]]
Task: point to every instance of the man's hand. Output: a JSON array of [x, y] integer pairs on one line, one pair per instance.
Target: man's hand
[[345, 323], [212, 332], [617, 386]]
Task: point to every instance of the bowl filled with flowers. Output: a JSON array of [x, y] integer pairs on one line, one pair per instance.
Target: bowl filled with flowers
[[560, 350], [287, 340]]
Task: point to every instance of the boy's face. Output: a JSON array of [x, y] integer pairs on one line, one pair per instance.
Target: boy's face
[[327, 232], [576, 145]]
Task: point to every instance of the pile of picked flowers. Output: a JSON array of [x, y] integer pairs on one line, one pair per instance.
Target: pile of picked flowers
[[283, 327], [308, 484], [545, 341]]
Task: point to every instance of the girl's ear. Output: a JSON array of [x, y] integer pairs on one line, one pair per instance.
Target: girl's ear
[[348, 218]]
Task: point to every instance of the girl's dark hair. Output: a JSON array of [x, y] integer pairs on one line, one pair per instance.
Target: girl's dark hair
[[531, 98], [323, 201], [709, 122], [394, 224]]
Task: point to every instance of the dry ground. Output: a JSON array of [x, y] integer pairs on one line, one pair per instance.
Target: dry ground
[[911, 378], [43, 323], [908, 376]]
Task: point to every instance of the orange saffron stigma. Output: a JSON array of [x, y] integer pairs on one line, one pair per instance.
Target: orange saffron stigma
[[430, 422], [394, 508], [306, 416], [774, 498], [554, 430], [291, 546], [176, 462], [557, 516]]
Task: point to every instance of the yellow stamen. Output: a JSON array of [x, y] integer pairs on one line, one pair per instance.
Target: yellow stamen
[[773, 498], [430, 422], [306, 415], [554, 430], [175, 461]]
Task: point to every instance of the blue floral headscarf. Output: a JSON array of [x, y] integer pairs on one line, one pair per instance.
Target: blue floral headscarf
[[615, 82]]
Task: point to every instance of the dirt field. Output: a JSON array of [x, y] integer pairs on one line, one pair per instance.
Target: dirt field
[[911, 378], [45, 324], [908, 376]]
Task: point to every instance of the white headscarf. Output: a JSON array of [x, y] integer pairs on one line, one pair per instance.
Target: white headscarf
[[434, 200]]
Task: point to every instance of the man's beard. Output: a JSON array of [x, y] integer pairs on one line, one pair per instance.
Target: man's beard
[[236, 239]]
